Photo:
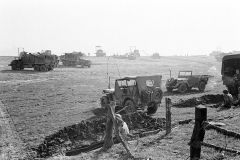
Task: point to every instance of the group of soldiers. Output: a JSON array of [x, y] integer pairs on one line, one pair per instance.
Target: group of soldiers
[[227, 97]]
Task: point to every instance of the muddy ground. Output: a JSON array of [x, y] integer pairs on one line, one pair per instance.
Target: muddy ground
[[41, 104]]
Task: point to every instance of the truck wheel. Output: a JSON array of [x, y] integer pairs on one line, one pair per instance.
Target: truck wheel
[[169, 89], [14, 67], [201, 86], [43, 68], [157, 95], [104, 102], [152, 109], [131, 107], [36, 68], [182, 88]]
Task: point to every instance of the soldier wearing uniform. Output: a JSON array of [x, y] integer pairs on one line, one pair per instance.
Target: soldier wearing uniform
[[227, 99], [237, 79]]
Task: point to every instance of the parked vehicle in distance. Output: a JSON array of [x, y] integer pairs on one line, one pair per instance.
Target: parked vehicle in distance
[[99, 51], [186, 81], [74, 59], [39, 61]]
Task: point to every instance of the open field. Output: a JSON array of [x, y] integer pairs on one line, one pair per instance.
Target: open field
[[41, 103]]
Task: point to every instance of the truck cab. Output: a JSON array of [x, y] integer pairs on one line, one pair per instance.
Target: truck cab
[[230, 63]]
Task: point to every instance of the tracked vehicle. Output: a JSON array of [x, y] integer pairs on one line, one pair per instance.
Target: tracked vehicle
[[140, 92]]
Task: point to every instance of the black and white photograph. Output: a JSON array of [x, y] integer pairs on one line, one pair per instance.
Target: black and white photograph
[[119, 80]]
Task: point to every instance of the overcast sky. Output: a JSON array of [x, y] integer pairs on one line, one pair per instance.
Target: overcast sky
[[169, 27]]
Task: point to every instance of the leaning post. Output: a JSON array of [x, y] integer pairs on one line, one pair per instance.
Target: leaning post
[[168, 115], [198, 132]]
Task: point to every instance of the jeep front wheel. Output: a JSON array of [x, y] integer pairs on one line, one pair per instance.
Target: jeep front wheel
[[152, 109], [201, 86], [131, 107], [182, 88]]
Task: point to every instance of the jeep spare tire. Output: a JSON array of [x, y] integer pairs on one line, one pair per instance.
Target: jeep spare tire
[[131, 107], [182, 88], [157, 95], [170, 81]]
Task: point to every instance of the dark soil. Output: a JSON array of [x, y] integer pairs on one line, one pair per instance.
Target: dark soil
[[90, 132], [205, 99]]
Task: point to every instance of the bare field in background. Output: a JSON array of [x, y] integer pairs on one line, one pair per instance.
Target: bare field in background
[[40, 103]]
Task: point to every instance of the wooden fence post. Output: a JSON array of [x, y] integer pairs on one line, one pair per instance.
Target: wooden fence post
[[108, 140], [168, 115], [198, 132]]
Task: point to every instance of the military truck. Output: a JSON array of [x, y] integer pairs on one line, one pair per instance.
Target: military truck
[[99, 51], [230, 63], [155, 56], [74, 59], [139, 92], [132, 56], [38, 61], [134, 52], [186, 81]]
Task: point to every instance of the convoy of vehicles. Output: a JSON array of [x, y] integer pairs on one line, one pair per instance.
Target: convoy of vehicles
[[142, 92]]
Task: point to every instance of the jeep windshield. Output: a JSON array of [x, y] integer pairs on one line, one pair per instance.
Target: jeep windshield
[[185, 73], [126, 82]]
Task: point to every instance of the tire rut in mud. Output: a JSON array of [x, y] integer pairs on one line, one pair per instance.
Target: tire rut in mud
[[215, 100], [91, 132]]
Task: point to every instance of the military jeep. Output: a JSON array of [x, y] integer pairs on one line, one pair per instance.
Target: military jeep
[[186, 81], [140, 92]]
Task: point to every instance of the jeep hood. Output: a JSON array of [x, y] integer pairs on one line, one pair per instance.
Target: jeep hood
[[111, 90]]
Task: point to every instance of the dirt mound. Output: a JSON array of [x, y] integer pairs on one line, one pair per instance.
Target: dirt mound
[[205, 99], [90, 132]]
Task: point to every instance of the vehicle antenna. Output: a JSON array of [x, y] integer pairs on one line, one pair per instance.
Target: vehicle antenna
[[118, 70], [108, 78]]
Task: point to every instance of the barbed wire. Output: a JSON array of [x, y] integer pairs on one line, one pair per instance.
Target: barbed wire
[[198, 144], [225, 132]]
